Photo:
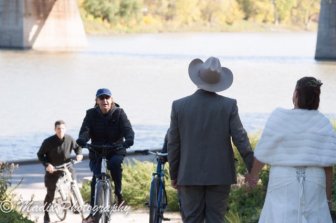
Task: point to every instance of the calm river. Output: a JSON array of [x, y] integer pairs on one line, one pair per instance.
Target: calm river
[[146, 72]]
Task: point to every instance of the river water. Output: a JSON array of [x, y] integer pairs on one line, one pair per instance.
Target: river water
[[146, 72]]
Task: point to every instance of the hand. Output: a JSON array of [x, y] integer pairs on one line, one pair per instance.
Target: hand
[[330, 204], [125, 145], [79, 157], [251, 180], [50, 168], [81, 142], [163, 159], [174, 184]]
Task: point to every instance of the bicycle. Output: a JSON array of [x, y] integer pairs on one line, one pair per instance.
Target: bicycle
[[67, 193], [158, 197], [102, 197]]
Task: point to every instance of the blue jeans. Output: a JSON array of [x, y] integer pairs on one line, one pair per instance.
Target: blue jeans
[[114, 165]]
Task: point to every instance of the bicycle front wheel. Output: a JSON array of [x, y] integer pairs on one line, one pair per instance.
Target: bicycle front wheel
[[77, 201], [60, 206], [102, 203], [155, 215]]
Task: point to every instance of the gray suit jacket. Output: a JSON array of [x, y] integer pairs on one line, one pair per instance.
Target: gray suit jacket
[[199, 140]]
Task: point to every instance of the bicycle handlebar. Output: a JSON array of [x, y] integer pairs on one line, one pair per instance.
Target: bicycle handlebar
[[158, 154], [103, 149], [67, 164]]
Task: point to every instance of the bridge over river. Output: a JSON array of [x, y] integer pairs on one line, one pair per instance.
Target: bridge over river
[[41, 24], [56, 25]]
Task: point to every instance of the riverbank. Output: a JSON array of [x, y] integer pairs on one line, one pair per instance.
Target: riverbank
[[97, 27], [197, 16]]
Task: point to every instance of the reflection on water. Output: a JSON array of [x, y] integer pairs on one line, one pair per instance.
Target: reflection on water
[[146, 73]]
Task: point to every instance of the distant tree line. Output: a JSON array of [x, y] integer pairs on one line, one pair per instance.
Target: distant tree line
[[203, 12]]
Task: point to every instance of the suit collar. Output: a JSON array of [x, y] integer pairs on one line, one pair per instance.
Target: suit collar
[[204, 92]]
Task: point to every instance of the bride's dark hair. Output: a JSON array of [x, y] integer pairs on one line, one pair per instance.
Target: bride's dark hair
[[308, 91]]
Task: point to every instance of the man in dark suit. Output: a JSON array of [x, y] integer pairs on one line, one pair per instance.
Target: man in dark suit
[[200, 153]]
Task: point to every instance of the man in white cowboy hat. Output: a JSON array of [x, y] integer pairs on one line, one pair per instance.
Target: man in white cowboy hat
[[200, 153]]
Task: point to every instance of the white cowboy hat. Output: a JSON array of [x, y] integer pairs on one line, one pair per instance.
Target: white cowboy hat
[[210, 75]]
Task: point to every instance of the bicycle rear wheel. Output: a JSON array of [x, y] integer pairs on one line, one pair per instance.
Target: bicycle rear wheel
[[102, 203], [60, 206], [155, 204]]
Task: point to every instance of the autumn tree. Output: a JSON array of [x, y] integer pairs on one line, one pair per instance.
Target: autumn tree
[[112, 10], [305, 11]]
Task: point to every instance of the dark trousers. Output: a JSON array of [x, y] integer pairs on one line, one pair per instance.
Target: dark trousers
[[114, 165], [203, 203], [50, 180]]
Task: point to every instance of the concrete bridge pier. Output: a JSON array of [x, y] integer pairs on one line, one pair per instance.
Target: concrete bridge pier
[[41, 24], [326, 36]]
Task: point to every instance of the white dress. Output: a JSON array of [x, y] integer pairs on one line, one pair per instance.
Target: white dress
[[296, 138], [296, 195]]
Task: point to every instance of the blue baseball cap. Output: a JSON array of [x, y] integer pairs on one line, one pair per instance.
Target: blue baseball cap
[[103, 91]]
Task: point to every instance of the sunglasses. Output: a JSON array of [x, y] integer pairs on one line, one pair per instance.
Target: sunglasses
[[102, 97]]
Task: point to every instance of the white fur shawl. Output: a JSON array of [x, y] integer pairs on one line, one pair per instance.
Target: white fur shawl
[[297, 137]]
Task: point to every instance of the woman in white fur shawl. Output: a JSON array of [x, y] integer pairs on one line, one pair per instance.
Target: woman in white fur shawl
[[300, 146]]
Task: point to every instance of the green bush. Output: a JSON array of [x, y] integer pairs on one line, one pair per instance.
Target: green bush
[[6, 170], [333, 197], [14, 217], [6, 198], [85, 191], [246, 203], [136, 184], [232, 217]]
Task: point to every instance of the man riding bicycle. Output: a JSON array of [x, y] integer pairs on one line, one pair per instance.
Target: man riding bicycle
[[56, 150], [106, 124]]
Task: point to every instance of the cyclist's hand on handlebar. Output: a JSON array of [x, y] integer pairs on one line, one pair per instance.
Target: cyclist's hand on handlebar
[[116, 146], [50, 168], [81, 142], [127, 144], [163, 159], [79, 157]]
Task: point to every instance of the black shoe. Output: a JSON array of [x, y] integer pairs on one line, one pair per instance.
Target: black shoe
[[88, 219], [46, 218], [120, 201], [75, 209]]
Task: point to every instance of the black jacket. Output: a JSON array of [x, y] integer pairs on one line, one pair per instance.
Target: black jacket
[[57, 151], [107, 129]]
